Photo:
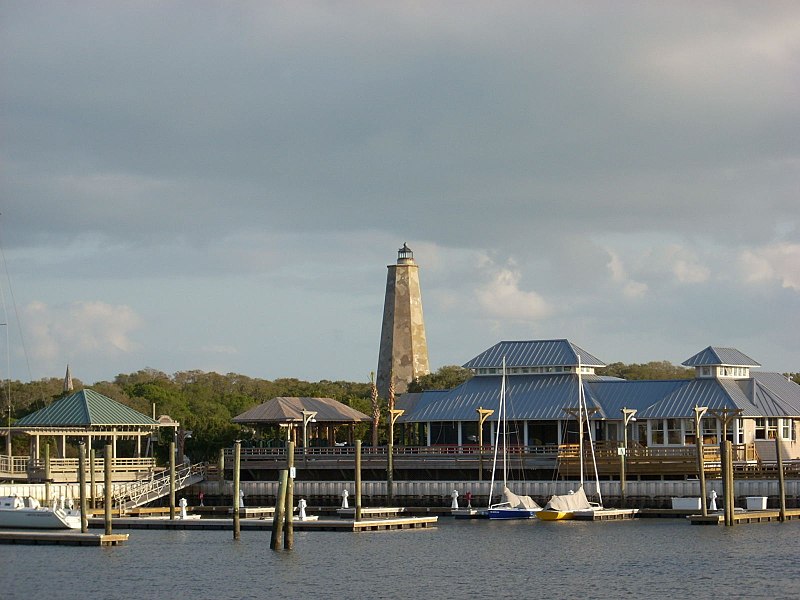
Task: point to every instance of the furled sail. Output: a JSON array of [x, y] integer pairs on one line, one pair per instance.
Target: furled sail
[[515, 501], [569, 502]]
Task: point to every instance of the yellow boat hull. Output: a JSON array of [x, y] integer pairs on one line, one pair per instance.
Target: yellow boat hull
[[554, 515]]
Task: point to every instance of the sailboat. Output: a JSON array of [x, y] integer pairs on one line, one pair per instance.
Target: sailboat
[[575, 504], [512, 505]]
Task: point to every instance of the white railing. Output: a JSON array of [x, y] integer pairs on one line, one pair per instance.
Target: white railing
[[156, 486]]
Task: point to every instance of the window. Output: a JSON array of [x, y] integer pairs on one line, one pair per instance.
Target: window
[[786, 429], [657, 431], [766, 428], [674, 435]]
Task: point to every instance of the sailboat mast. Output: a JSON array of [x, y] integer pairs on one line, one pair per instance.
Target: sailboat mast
[[504, 417], [580, 418], [498, 433]]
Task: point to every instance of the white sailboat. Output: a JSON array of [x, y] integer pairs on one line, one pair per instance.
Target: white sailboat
[[575, 504], [512, 506]]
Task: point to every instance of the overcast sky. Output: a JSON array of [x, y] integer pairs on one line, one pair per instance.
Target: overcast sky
[[221, 185]]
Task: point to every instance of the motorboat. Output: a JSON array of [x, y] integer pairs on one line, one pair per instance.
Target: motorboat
[[27, 513]]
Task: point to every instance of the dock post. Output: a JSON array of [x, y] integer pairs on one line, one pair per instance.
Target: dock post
[[82, 484], [92, 482], [221, 474], [236, 496], [107, 489], [781, 481], [47, 474], [172, 480], [725, 451], [357, 515], [288, 530], [280, 506]]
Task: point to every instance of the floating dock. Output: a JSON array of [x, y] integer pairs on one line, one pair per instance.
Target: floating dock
[[608, 514], [59, 538], [266, 524], [746, 516]]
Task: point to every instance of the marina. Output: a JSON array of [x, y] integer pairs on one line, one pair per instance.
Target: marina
[[448, 560]]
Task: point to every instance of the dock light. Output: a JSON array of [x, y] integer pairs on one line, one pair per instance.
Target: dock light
[[627, 418], [309, 416]]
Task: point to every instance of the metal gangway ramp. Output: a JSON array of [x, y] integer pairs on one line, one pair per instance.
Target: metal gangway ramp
[[139, 493]]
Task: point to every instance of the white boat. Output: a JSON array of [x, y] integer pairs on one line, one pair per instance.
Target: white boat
[[512, 506], [27, 513], [575, 504]]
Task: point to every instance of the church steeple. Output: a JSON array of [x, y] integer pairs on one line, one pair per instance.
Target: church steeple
[[403, 352], [68, 387]]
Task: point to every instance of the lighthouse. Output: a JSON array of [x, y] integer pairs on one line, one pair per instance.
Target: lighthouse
[[403, 352]]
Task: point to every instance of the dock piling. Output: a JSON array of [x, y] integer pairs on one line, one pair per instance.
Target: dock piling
[[172, 480], [781, 480], [82, 483], [357, 514], [288, 531], [280, 507], [236, 496], [107, 489]]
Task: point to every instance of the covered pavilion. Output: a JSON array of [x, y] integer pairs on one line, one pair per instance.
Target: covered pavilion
[[317, 416]]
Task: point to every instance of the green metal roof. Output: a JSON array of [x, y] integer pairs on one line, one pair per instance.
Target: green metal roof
[[82, 409]]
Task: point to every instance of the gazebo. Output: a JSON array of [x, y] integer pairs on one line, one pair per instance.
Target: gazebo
[[322, 415], [88, 416]]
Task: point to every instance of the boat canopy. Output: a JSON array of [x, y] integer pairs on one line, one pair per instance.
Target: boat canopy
[[569, 502]]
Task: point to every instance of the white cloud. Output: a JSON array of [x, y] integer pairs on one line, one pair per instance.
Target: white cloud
[[501, 297], [87, 329], [630, 288], [780, 262]]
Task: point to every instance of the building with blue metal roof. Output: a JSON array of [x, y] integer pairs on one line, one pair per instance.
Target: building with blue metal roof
[[542, 377]]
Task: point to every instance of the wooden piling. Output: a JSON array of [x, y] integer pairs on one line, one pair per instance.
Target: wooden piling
[[107, 489], [781, 481], [172, 480], [728, 495], [92, 482], [280, 507], [47, 474], [288, 531], [82, 483], [237, 463], [221, 473], [358, 481]]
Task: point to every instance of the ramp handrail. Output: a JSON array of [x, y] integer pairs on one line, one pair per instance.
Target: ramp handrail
[[157, 485]]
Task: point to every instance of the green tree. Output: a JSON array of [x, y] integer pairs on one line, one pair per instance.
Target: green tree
[[655, 370], [446, 378]]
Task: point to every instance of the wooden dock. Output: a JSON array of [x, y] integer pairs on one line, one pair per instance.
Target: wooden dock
[[59, 538], [266, 524], [608, 514], [746, 516]]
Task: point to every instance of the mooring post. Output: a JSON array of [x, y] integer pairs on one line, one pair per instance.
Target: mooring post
[[288, 531], [172, 480], [221, 474], [357, 515], [108, 488], [781, 481], [82, 484], [726, 465], [47, 474], [236, 497], [92, 482], [280, 506]]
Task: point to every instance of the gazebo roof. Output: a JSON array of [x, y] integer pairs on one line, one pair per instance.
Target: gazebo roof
[[85, 408], [288, 409]]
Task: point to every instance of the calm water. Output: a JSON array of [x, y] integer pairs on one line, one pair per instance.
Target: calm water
[[458, 559]]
